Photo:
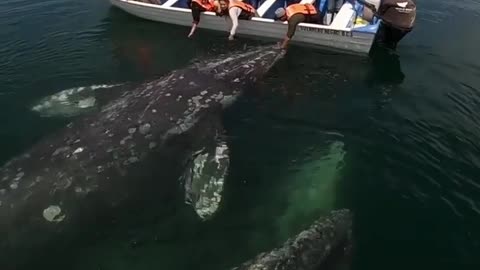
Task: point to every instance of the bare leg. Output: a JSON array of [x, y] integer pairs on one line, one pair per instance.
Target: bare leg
[[234, 13], [194, 26]]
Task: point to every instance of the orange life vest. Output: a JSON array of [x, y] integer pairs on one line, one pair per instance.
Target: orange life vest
[[305, 9], [245, 7], [206, 4]]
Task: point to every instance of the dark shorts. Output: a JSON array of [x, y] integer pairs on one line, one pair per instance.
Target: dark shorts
[[389, 36], [299, 18], [196, 10], [245, 15]]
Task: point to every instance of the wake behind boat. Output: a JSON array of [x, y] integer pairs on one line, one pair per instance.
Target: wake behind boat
[[348, 32]]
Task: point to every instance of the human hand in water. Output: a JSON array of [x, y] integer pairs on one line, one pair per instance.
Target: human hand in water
[[278, 45], [230, 37]]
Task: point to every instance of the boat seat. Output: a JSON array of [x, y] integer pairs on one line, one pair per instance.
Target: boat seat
[[344, 16]]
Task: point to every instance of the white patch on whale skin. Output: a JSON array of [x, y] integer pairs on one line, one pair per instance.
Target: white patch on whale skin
[[78, 150], [184, 123], [86, 103], [227, 100], [145, 128], [53, 214], [60, 150], [221, 153], [152, 145], [19, 176], [110, 111], [222, 60], [69, 102], [124, 140]]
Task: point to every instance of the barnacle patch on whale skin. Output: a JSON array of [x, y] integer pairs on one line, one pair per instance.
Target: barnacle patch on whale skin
[[14, 185], [53, 214], [145, 128], [78, 150]]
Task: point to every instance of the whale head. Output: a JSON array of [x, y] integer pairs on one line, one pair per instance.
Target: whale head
[[243, 67]]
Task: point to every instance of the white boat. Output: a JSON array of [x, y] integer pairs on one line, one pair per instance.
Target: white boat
[[346, 33]]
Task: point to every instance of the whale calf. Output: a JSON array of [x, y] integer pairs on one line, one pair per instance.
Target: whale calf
[[311, 248], [122, 165]]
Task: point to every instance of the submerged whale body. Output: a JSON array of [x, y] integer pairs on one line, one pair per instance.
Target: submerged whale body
[[311, 248], [123, 164]]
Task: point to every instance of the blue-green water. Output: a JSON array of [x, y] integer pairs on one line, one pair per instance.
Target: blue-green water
[[395, 140]]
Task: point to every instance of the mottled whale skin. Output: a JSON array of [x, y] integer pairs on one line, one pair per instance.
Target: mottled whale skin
[[311, 248], [114, 165]]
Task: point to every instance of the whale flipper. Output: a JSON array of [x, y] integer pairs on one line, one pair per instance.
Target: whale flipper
[[204, 176]]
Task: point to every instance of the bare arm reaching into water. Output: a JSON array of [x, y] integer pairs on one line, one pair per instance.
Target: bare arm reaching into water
[[199, 7], [196, 10]]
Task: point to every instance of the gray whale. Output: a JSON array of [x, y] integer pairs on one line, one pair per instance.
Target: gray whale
[[311, 248], [122, 164]]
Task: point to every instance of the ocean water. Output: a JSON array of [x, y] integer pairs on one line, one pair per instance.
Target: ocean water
[[394, 138]]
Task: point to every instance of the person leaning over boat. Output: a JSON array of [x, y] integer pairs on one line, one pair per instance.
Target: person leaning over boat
[[295, 14], [239, 10], [199, 6], [398, 19]]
